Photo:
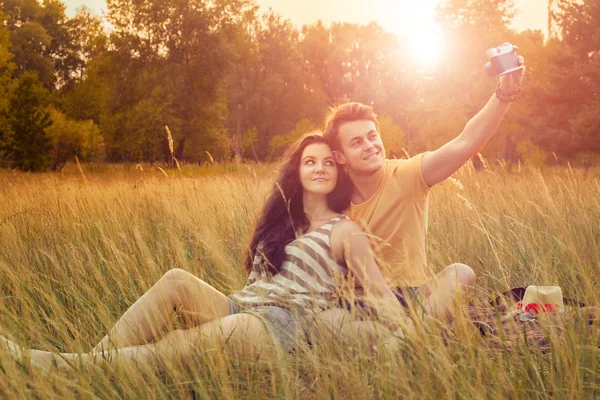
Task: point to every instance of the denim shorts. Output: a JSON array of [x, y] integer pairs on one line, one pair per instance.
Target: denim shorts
[[286, 326]]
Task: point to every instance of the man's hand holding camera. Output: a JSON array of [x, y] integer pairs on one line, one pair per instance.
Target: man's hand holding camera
[[510, 69]]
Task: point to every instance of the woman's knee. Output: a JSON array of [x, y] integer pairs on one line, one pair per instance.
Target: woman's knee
[[175, 282], [177, 279], [175, 274], [463, 274]]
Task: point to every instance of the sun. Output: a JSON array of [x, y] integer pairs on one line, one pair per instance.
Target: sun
[[425, 45], [416, 27]]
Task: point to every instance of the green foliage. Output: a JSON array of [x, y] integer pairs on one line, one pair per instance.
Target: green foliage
[[248, 140], [280, 142], [30, 145], [5, 54], [90, 98], [578, 24], [359, 63], [72, 139], [207, 138], [188, 58], [221, 63], [6, 69], [586, 126], [45, 40], [29, 44], [531, 154], [270, 83], [88, 36], [476, 13], [142, 127]]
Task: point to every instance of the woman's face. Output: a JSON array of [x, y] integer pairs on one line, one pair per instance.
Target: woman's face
[[318, 170]]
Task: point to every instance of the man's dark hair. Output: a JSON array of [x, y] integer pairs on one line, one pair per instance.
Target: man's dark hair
[[348, 112]]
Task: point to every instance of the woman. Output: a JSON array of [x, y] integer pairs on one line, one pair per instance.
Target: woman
[[287, 285]]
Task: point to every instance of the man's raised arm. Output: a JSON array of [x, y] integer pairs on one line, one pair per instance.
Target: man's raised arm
[[440, 164]]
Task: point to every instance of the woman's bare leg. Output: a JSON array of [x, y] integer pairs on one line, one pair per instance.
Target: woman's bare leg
[[244, 334], [195, 301]]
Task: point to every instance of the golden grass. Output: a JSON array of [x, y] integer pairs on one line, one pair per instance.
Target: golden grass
[[75, 253]]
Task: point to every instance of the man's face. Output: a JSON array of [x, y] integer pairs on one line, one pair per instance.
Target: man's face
[[361, 147]]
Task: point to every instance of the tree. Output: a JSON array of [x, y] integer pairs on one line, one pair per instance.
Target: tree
[[272, 86], [88, 41], [29, 118], [573, 88], [577, 21], [357, 63], [29, 44], [247, 143], [46, 41], [72, 139], [63, 48], [279, 143], [92, 96], [586, 126], [184, 48], [531, 154], [6, 69]]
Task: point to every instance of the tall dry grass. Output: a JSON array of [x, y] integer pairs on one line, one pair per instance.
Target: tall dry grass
[[75, 253]]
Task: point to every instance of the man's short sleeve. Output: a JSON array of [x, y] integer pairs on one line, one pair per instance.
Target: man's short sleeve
[[409, 174]]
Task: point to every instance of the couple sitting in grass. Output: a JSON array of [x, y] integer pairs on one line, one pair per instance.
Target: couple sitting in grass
[[340, 243]]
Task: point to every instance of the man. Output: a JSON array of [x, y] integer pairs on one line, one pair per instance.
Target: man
[[389, 198]]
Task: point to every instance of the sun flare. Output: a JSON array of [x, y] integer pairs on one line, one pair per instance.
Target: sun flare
[[417, 29], [425, 46]]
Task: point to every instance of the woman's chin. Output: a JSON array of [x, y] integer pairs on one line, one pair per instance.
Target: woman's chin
[[321, 191]]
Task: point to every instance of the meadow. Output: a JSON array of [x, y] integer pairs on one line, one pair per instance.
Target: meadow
[[78, 248]]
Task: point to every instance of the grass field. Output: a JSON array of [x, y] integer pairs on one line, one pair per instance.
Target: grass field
[[77, 250]]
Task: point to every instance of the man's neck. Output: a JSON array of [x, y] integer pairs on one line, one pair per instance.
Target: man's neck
[[365, 185]]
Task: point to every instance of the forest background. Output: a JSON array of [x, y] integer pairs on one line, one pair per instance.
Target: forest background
[[102, 89]]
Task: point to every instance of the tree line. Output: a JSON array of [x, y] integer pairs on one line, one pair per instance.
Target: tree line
[[223, 76]]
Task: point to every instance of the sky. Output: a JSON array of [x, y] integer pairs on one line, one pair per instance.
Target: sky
[[402, 17]]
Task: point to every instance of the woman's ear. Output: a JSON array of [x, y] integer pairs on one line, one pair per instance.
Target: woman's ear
[[339, 157]]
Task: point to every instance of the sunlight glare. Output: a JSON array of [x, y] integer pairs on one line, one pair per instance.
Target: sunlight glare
[[425, 46], [414, 25]]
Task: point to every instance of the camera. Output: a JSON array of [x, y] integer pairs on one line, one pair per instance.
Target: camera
[[502, 60]]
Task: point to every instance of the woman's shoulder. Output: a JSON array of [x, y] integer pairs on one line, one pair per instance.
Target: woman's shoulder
[[344, 227], [340, 235]]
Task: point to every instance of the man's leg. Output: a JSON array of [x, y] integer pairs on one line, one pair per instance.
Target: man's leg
[[341, 323], [194, 300], [440, 295]]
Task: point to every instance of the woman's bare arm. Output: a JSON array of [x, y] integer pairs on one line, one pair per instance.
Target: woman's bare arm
[[351, 244]]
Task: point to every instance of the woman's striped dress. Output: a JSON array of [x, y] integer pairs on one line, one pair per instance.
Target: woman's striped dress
[[308, 277]]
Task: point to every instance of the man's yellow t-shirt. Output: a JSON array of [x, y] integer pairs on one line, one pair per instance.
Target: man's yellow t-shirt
[[395, 217]]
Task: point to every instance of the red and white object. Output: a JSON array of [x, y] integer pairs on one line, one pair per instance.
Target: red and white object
[[540, 299]]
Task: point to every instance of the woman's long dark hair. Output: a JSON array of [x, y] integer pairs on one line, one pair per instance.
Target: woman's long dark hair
[[283, 213]]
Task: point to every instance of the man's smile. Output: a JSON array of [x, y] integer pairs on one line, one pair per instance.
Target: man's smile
[[370, 156]]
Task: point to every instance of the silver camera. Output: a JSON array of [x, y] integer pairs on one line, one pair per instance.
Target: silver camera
[[502, 60]]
